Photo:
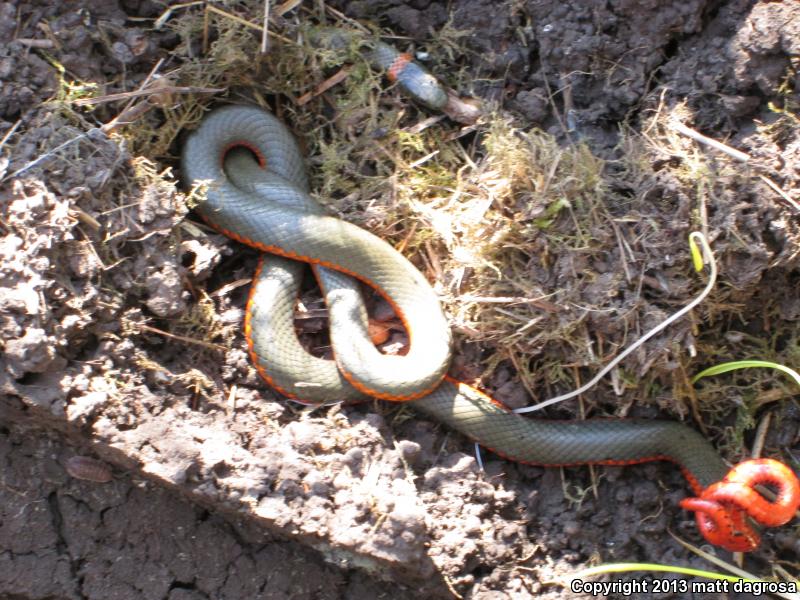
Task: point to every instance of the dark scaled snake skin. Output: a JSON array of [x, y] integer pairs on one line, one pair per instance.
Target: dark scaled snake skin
[[257, 193]]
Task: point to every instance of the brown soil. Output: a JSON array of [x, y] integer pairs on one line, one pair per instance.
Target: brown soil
[[219, 488]]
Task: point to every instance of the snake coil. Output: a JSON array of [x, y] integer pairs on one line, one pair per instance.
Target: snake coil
[[257, 193]]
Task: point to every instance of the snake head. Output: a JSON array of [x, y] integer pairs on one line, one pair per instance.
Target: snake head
[[723, 508]]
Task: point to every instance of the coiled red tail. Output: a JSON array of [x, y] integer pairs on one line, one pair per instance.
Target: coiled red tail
[[723, 507]]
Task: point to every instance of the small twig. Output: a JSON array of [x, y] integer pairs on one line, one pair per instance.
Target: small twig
[[783, 572], [126, 117], [232, 17], [161, 21], [450, 587], [510, 300], [287, 6], [132, 111], [52, 152], [181, 338], [733, 152], [699, 137], [206, 26], [423, 160], [703, 208], [694, 405], [35, 43], [265, 28], [433, 261], [245, 22], [761, 434], [422, 125], [550, 96], [147, 80], [323, 87], [167, 89], [401, 247], [459, 133], [622, 246], [569, 107], [344, 17], [229, 287], [232, 400], [9, 133], [45, 28], [780, 192], [522, 374]]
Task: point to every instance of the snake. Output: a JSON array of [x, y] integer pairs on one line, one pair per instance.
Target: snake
[[255, 190], [400, 67]]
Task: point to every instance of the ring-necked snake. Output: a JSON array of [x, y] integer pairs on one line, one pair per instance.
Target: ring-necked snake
[[257, 193], [399, 66]]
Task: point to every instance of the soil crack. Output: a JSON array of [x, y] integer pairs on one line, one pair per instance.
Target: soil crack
[[62, 546]]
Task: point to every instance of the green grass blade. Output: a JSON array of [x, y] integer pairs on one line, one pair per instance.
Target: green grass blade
[[746, 364]]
